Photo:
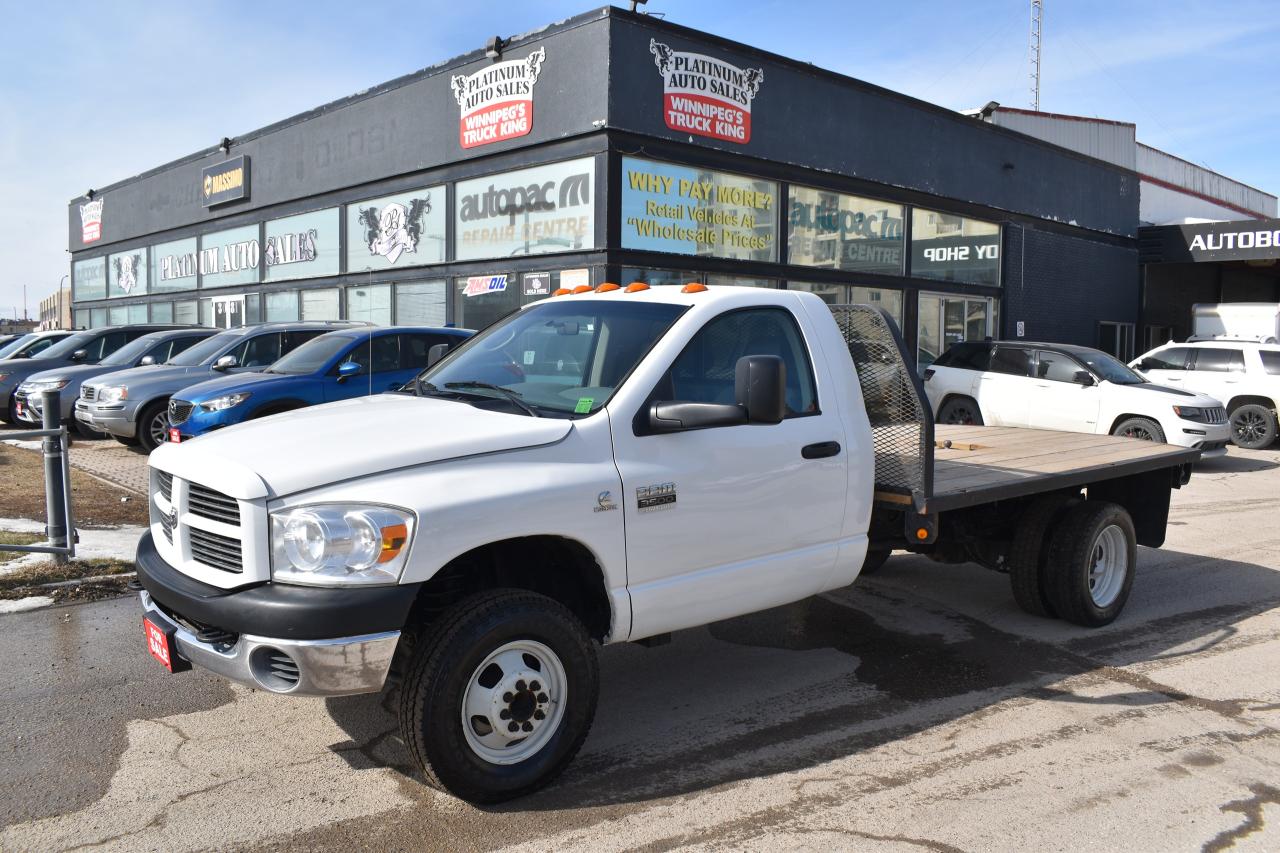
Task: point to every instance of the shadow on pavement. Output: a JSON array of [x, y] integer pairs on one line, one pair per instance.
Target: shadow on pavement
[[1234, 465], [849, 671]]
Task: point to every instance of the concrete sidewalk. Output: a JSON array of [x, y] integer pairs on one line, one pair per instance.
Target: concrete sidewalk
[[105, 458]]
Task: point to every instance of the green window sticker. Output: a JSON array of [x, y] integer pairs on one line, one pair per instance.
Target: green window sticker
[[584, 405]]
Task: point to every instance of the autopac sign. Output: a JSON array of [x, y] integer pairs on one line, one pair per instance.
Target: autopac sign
[[497, 101], [529, 212], [706, 96], [225, 181]]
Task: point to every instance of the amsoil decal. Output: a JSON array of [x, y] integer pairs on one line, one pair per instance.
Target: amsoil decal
[[91, 221], [479, 285], [704, 95], [497, 101]]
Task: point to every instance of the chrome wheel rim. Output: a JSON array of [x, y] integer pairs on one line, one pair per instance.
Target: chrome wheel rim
[[514, 702], [1108, 567]]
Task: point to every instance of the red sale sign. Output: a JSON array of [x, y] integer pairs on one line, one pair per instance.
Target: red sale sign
[[497, 102], [706, 96]]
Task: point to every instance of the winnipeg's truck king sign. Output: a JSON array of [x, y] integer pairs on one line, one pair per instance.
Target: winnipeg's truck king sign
[[704, 95], [497, 101]]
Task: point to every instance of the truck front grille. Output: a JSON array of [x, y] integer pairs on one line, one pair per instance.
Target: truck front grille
[[207, 503], [164, 480], [220, 552], [179, 411]]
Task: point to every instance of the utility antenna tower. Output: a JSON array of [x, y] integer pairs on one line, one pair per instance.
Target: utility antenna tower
[[1037, 20]]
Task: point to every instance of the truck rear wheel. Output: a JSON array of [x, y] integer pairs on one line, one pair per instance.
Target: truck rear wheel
[[1092, 556], [1029, 549], [500, 695]]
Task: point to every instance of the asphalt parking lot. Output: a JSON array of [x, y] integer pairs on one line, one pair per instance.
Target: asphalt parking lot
[[919, 709]]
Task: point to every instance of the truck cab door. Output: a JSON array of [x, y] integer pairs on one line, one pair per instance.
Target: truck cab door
[[731, 519]]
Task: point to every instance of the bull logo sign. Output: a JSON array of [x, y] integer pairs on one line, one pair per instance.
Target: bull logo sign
[[497, 101], [706, 96], [393, 229], [127, 271]]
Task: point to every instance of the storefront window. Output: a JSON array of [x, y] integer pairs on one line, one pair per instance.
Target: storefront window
[[371, 302], [948, 247], [282, 306], [173, 266], [82, 319], [127, 273], [480, 300], [230, 257], [529, 212], [846, 294], [402, 230], [117, 315], [98, 317], [185, 313], [421, 303], [302, 246], [162, 312], [689, 211], [739, 281], [252, 309], [320, 303], [946, 320], [844, 232], [206, 313], [654, 278], [89, 279]]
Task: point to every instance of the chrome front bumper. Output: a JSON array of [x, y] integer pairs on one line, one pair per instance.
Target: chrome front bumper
[[338, 667]]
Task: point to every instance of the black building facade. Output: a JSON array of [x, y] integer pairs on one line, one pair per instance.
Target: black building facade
[[618, 147]]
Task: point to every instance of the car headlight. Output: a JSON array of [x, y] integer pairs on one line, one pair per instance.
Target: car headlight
[[44, 385], [1190, 413], [218, 404], [340, 544], [113, 393]]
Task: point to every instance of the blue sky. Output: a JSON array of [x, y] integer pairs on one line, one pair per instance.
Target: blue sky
[[91, 93]]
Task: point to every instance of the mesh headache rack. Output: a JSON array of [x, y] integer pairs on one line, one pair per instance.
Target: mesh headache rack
[[901, 420]]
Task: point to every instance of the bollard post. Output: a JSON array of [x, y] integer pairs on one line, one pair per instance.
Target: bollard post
[[55, 496]]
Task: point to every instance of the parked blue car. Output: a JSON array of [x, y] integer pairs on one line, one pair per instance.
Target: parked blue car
[[334, 366]]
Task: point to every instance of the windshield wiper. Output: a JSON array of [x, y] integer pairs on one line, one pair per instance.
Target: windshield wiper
[[513, 396]]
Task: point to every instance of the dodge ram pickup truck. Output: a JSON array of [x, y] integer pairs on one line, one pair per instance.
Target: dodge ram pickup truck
[[608, 465]]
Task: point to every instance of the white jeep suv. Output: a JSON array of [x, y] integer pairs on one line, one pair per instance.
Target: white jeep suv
[[1069, 388], [1244, 375]]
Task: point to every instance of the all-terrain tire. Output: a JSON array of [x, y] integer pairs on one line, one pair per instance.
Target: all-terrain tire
[[1030, 548], [1080, 593], [445, 660], [961, 410], [1253, 427], [1143, 429]]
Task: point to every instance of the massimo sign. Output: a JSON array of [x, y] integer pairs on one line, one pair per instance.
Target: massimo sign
[[497, 101], [224, 182], [706, 96]]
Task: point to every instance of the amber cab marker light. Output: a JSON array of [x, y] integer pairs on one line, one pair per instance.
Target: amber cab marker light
[[582, 288], [693, 287], [635, 287], [563, 291], [922, 534], [608, 287]]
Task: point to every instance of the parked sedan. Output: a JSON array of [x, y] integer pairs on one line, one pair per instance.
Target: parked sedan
[[1069, 388], [336, 366]]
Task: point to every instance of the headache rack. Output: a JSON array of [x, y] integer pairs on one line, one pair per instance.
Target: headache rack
[[900, 416]]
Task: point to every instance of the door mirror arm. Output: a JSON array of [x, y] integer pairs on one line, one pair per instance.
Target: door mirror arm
[[677, 416], [760, 389]]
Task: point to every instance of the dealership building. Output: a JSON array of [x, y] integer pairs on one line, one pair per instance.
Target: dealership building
[[615, 146]]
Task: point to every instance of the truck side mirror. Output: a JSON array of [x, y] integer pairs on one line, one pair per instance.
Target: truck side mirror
[[226, 363], [79, 355], [760, 387], [437, 352], [1083, 377], [346, 370]]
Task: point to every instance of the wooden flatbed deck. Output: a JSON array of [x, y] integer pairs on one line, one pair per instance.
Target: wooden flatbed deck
[[986, 464]]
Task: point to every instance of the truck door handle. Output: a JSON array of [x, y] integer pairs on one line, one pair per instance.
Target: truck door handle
[[821, 450]]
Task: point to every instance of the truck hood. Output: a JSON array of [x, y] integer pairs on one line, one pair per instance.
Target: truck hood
[[154, 377], [303, 449], [221, 384]]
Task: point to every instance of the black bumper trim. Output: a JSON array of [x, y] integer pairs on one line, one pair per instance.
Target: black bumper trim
[[275, 610]]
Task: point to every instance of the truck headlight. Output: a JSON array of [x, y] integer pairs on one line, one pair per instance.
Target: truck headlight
[[1190, 413], [113, 394], [340, 544], [218, 404]]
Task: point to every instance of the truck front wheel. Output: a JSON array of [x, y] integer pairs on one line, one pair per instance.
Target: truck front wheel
[[500, 695], [1092, 556]]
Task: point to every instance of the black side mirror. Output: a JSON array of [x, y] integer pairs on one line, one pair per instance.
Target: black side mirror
[[79, 355], [760, 388], [437, 352], [1146, 364], [1083, 377]]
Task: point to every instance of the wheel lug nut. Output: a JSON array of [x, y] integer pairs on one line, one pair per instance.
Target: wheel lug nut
[[535, 686], [504, 714], [520, 685], [513, 726], [507, 697], [538, 715], [528, 727], [542, 697]]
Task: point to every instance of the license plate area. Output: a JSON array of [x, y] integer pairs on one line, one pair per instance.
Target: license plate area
[[163, 647], [174, 435]]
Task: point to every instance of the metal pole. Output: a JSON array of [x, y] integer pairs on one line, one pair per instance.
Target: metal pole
[[54, 484]]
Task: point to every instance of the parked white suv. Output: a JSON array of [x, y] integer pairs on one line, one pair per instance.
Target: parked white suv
[[1243, 374], [1068, 388]]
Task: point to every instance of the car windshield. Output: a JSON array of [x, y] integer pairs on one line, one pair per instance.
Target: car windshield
[[130, 352], [558, 357], [1109, 368], [312, 355], [14, 345], [66, 346], [205, 350]]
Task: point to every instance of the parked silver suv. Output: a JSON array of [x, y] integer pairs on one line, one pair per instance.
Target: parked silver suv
[[132, 405]]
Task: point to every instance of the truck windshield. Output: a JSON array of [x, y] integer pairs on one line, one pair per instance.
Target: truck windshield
[[558, 357], [1110, 369], [205, 350]]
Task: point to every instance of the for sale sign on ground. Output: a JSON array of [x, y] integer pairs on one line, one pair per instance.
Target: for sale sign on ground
[[706, 96]]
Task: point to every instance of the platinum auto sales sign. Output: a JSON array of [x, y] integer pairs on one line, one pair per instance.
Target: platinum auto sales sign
[[706, 96], [497, 101]]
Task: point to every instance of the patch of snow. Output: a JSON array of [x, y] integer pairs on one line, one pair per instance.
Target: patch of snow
[[115, 543], [20, 605]]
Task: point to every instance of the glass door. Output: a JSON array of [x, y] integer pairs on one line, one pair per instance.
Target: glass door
[[228, 311], [948, 319]]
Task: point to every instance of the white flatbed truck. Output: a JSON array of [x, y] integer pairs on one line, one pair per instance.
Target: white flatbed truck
[[605, 466]]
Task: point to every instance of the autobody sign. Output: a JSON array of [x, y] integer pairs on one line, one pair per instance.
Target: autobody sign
[[224, 182]]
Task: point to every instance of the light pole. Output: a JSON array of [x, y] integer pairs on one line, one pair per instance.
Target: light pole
[[58, 301]]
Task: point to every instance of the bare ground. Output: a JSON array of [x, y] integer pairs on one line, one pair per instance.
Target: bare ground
[[95, 502]]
